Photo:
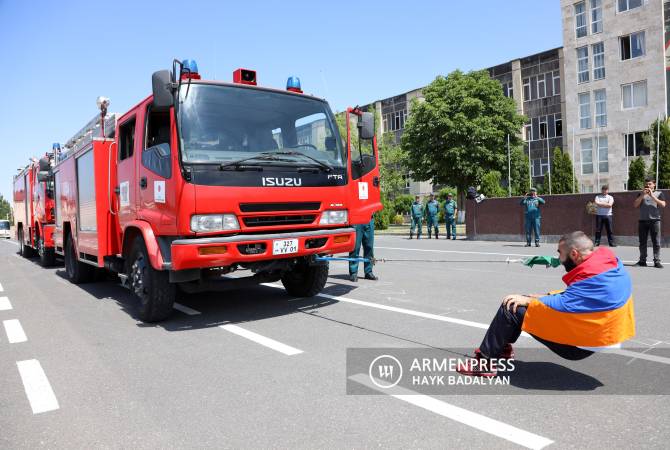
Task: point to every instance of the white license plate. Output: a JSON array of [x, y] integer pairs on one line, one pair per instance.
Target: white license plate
[[284, 246]]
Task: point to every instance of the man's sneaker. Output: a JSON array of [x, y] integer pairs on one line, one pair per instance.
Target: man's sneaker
[[476, 367], [371, 276], [641, 263], [537, 244], [353, 277], [612, 244], [507, 353], [527, 244], [658, 264]]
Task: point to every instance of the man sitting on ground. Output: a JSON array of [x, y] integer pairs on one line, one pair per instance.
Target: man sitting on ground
[[594, 311]]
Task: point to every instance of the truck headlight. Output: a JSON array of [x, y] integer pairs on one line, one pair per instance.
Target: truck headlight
[[214, 222], [334, 217]]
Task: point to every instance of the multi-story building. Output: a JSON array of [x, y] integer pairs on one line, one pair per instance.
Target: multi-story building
[[615, 84], [535, 84]]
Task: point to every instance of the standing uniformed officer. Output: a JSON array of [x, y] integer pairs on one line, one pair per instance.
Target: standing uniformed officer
[[416, 212], [531, 205], [450, 215], [365, 234], [432, 215]]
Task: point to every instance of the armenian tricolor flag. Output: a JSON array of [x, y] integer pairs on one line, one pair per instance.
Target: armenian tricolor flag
[[595, 310]]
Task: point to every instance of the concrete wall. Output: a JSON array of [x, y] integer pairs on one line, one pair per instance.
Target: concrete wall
[[502, 219]]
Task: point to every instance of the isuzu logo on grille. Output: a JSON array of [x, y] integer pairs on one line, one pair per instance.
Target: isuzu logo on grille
[[279, 181]]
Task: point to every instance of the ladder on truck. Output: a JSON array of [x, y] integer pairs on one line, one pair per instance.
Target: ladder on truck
[[85, 136]]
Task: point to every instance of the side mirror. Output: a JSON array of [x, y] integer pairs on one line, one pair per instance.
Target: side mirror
[[43, 175], [366, 123], [45, 165], [161, 83]]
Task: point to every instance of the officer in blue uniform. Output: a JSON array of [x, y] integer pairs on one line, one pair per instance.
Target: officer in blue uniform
[[365, 235], [450, 214], [416, 213], [531, 207], [432, 214]]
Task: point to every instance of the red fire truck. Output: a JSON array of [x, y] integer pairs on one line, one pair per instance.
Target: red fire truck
[[34, 210], [202, 179]]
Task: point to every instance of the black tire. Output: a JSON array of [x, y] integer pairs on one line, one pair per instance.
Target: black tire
[[47, 255], [305, 280], [152, 287], [77, 271], [24, 250]]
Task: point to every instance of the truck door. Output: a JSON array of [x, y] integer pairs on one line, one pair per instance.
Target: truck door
[[157, 199], [365, 196], [127, 171]]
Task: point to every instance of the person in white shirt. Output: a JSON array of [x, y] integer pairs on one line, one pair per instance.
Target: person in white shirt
[[604, 203]]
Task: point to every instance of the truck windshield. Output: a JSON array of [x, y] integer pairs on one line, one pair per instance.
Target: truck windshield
[[223, 124]]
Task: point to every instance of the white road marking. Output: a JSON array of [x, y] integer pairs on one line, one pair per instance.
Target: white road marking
[[37, 387], [185, 309], [5, 304], [1, 288], [468, 323], [475, 253], [271, 343], [14, 330], [10, 242], [461, 415]]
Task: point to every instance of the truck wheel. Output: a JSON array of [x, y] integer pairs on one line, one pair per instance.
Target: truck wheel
[[77, 271], [305, 280], [47, 255], [152, 287], [24, 250]]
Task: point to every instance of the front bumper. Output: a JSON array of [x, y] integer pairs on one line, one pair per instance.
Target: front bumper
[[187, 253]]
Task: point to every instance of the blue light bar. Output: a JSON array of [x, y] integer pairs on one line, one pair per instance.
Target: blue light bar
[[293, 84], [55, 146], [190, 65]]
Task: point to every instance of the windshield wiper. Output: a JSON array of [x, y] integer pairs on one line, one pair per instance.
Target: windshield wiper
[[265, 156], [323, 165]]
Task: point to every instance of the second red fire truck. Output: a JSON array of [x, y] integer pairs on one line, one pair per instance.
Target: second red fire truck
[[202, 179]]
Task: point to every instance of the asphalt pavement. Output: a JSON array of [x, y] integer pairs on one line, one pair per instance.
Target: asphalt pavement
[[256, 368]]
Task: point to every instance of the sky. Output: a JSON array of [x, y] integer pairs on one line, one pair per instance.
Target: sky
[[60, 56]]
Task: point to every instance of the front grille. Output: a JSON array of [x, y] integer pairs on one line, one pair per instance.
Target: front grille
[[268, 221], [271, 207], [251, 249]]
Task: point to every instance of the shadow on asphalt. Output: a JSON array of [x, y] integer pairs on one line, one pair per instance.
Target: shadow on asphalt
[[549, 376]]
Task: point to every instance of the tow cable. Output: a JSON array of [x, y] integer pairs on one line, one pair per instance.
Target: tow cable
[[547, 261]]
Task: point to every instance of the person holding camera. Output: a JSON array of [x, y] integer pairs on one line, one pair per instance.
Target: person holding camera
[[650, 201], [531, 205], [604, 203]]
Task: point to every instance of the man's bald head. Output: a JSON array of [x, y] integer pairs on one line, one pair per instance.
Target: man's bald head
[[577, 240]]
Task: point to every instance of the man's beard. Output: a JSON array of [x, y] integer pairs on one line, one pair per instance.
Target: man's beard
[[569, 264]]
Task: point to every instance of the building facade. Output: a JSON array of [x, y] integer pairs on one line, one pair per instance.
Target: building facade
[[615, 84]]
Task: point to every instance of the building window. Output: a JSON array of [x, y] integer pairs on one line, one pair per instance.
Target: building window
[[508, 89], [603, 165], [539, 166], [585, 110], [527, 132], [634, 144], [598, 60], [395, 121], [526, 89], [587, 156], [557, 82], [582, 64], [559, 127], [541, 88], [580, 19], [596, 16], [634, 95], [543, 127], [600, 98], [632, 46], [385, 124], [625, 5]]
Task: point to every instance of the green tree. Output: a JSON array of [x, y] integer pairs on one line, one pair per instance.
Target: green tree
[[403, 203], [5, 209], [460, 131], [561, 173], [520, 171], [490, 185], [664, 153], [391, 166], [636, 174]]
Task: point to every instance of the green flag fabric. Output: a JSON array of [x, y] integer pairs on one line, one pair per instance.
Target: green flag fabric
[[542, 260]]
